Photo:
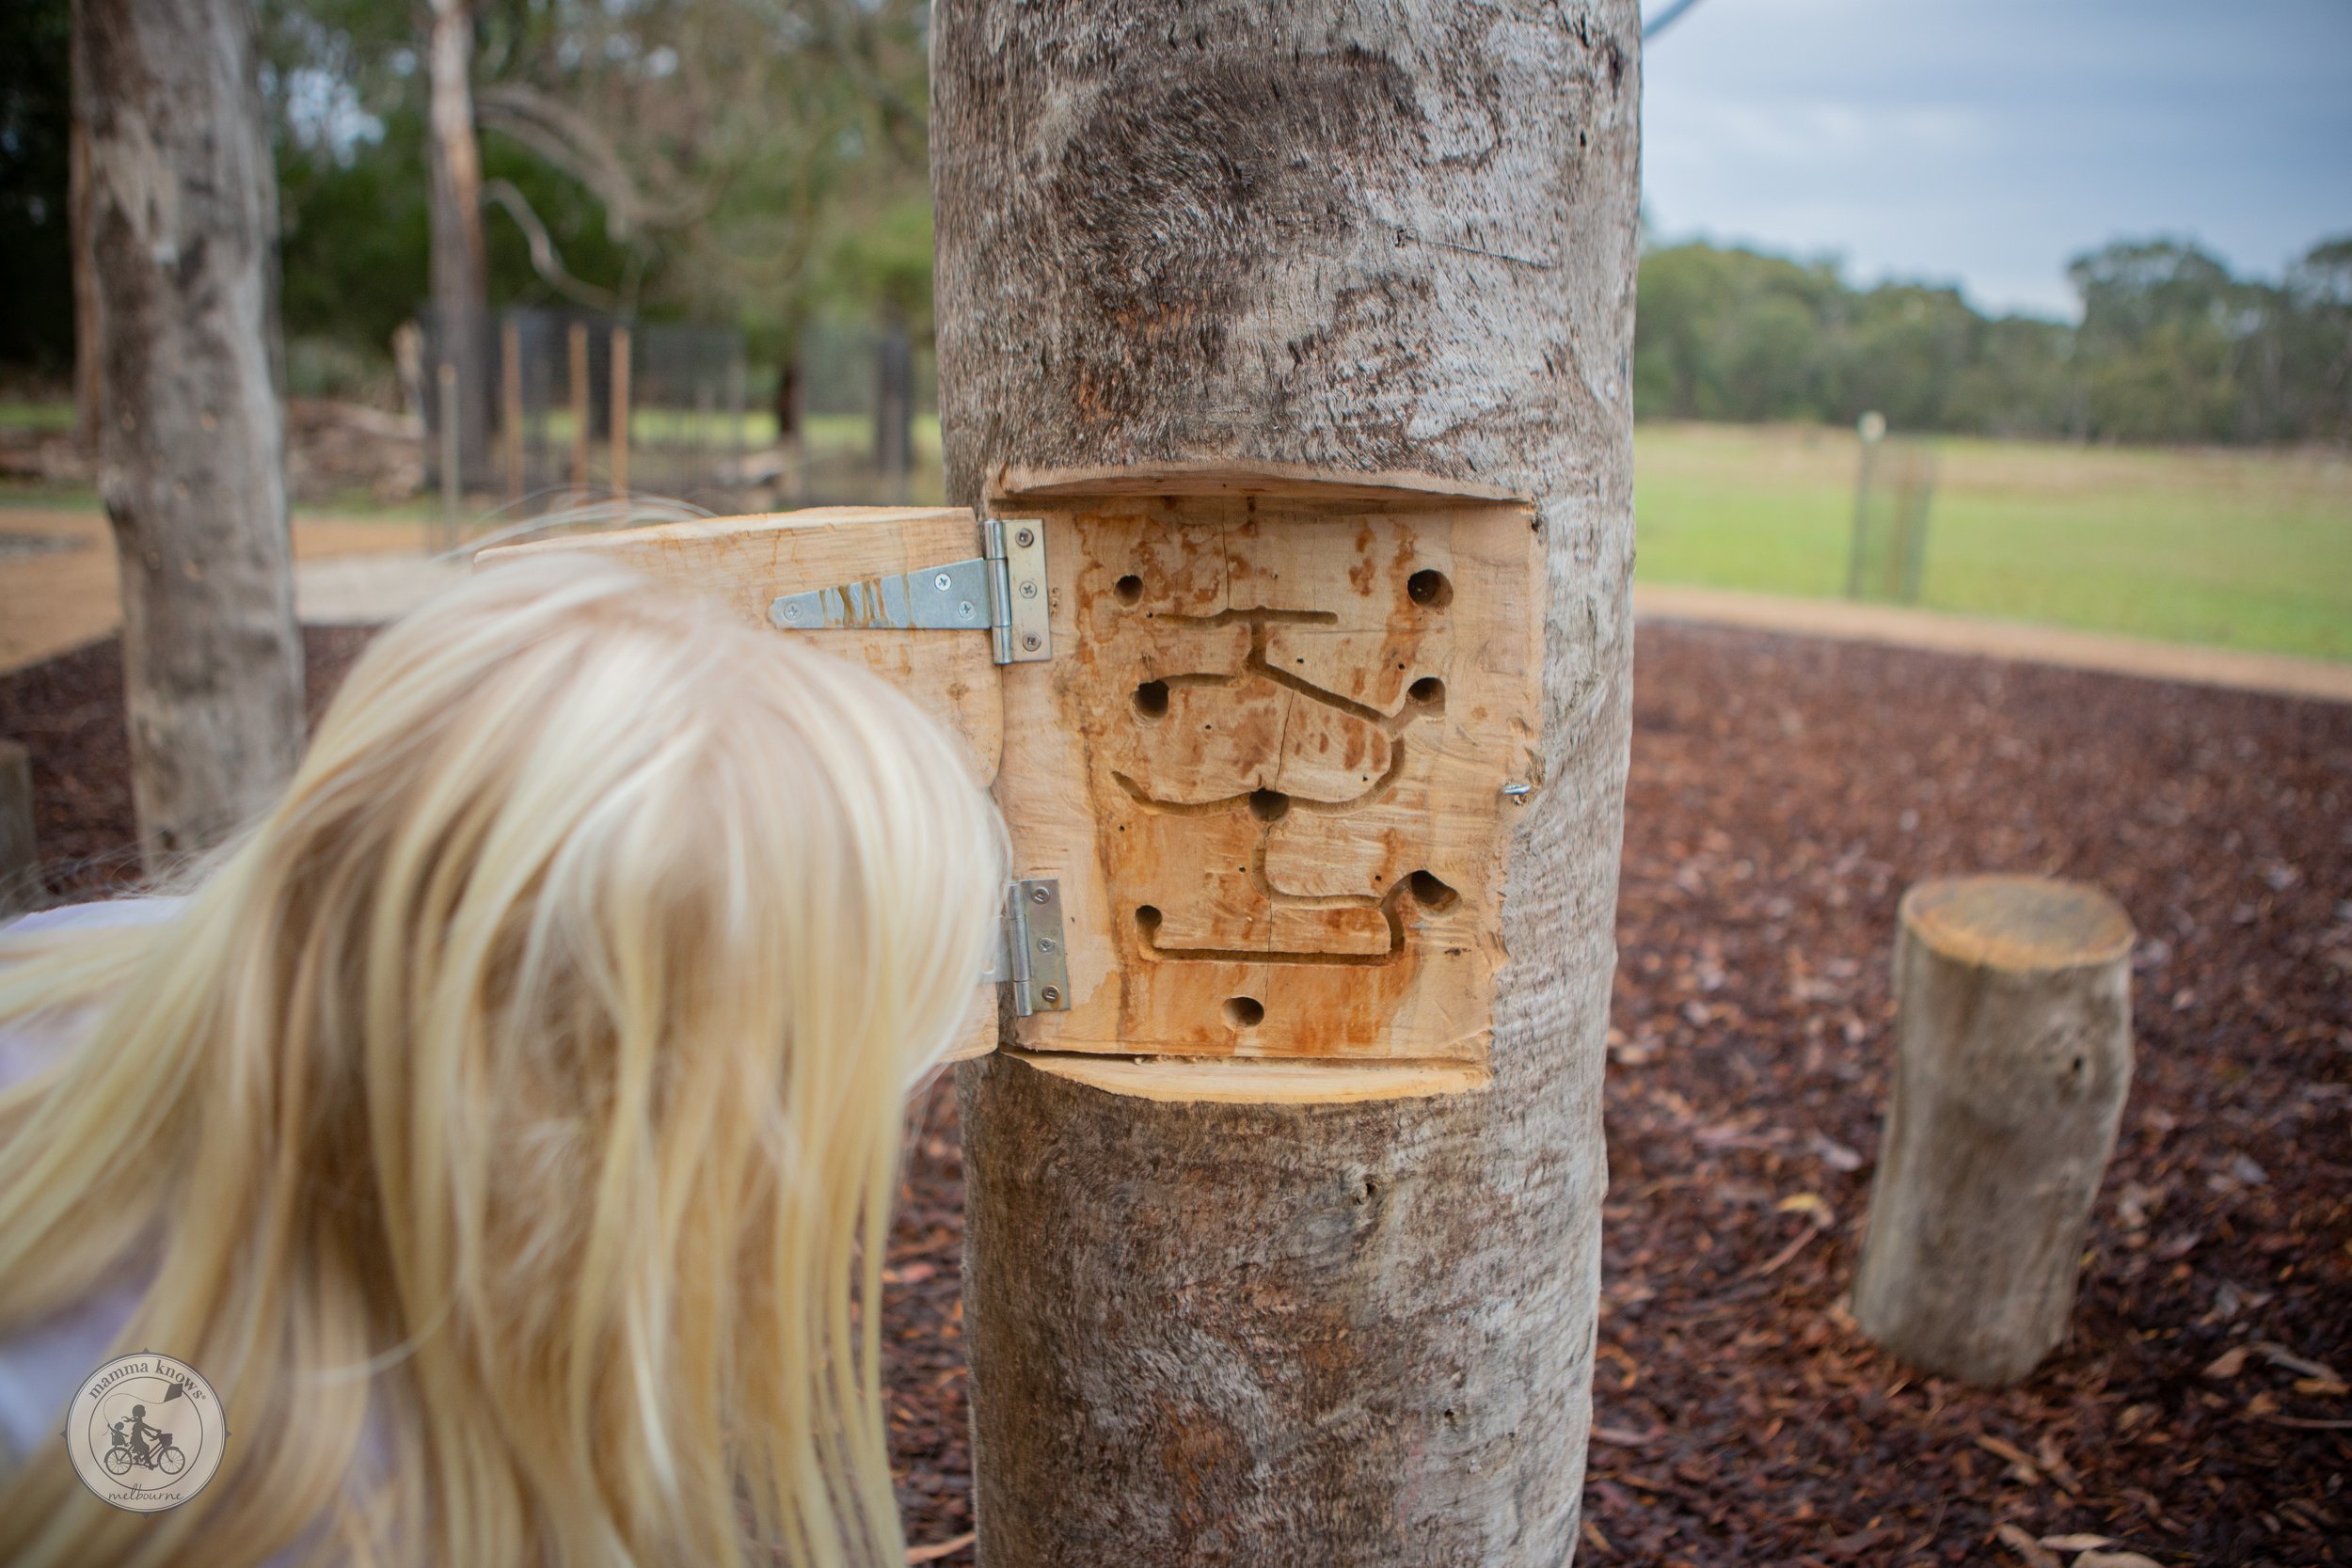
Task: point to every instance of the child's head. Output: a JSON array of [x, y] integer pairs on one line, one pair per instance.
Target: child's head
[[547, 1047]]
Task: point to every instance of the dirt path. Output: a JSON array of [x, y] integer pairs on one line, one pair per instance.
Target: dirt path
[[1901, 626], [57, 576]]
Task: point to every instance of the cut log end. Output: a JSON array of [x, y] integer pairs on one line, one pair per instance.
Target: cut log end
[[1246, 1081], [2017, 922]]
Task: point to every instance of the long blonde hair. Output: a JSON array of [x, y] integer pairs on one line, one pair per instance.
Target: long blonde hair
[[511, 1119]]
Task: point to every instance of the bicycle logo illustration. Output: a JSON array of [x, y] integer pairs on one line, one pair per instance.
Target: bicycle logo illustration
[[143, 1447], [146, 1432]]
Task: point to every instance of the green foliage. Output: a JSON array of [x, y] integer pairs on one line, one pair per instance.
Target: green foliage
[[35, 252], [2172, 349]]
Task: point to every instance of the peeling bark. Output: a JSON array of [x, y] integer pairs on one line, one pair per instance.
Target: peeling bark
[[1360, 239]]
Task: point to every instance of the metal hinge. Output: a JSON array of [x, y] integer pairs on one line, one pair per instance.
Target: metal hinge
[[1031, 959], [1003, 589]]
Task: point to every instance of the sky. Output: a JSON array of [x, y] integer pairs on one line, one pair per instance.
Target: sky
[[1986, 142]]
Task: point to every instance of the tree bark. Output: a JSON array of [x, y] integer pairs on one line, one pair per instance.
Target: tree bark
[[183, 246], [2013, 1054], [1358, 1332], [460, 270]]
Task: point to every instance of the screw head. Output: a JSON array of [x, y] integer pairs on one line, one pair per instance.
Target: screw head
[[942, 581], [1039, 896], [1045, 945], [963, 610], [1029, 590], [1051, 995], [1025, 537], [791, 613], [1030, 642]]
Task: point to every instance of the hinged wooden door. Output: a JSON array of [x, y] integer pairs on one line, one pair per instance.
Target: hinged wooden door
[[746, 565]]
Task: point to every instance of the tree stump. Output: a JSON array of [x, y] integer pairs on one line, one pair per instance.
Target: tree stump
[[20, 865], [2013, 1052]]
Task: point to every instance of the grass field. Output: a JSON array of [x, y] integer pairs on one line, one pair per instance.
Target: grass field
[[2239, 550], [2248, 550]]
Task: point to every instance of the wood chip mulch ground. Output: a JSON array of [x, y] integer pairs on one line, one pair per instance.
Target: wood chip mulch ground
[[1784, 793]]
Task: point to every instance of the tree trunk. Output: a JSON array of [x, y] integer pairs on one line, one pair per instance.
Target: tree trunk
[[1206, 1330], [460, 272], [183, 244], [88, 369], [2013, 1054]]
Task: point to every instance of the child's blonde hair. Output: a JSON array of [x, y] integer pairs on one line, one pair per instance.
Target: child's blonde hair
[[511, 1119]]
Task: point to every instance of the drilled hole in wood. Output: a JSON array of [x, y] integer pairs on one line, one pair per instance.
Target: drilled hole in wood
[[1130, 589], [1244, 1012], [1152, 699], [1269, 805], [1430, 892], [1428, 691], [1429, 589], [1148, 919]]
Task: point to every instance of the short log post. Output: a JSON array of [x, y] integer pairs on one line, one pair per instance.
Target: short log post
[[2013, 1056], [20, 865]]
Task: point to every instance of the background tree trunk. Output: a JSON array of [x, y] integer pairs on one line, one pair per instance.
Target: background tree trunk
[[460, 268], [181, 242], [1396, 238], [88, 369]]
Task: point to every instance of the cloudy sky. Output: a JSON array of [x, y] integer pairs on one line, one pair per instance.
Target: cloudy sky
[[1987, 141]]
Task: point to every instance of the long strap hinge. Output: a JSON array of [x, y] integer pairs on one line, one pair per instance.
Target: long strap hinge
[[1003, 589]]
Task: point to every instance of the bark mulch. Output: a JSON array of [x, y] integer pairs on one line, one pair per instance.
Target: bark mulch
[[1784, 793]]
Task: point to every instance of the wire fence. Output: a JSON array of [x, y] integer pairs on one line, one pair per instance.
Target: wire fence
[[851, 419]]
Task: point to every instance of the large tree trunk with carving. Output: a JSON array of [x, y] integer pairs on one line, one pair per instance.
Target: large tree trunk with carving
[[1266, 1329], [460, 268], [181, 242]]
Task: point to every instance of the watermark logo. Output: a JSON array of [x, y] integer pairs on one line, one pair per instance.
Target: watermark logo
[[145, 1431]]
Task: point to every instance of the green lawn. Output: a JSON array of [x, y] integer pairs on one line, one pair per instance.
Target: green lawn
[[2244, 549]]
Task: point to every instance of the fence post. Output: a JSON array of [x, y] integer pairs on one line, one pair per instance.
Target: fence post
[[511, 410], [580, 407], [20, 866], [620, 411], [1872, 429], [453, 482]]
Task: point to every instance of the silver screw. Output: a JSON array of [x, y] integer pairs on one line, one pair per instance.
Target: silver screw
[[965, 609], [1029, 590], [942, 581], [1030, 642], [1026, 538], [1051, 995], [1045, 945], [1517, 792], [1039, 896], [791, 613]]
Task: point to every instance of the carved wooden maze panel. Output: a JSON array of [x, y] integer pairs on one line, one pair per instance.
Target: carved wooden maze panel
[[1291, 728]]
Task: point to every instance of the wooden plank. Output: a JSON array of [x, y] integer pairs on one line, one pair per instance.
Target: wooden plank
[[743, 564], [1266, 764]]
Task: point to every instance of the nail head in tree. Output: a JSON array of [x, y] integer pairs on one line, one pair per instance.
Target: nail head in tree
[[2012, 1056]]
